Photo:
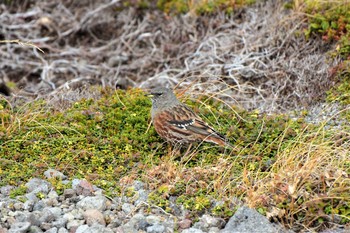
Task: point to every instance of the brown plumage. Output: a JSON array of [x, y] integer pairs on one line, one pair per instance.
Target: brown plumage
[[177, 123]]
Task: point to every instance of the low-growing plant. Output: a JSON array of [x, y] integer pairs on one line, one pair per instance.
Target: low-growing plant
[[330, 19], [275, 161], [19, 191]]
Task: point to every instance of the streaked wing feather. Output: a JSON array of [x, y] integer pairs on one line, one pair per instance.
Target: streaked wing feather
[[192, 122]]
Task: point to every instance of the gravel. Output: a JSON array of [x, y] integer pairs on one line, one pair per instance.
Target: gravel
[[84, 209]]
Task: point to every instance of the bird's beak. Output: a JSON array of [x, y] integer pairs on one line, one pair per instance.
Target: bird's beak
[[149, 95]]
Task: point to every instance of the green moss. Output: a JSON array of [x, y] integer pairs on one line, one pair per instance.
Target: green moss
[[224, 210], [130, 192], [40, 195], [159, 197], [59, 185], [330, 19], [184, 6], [205, 7], [340, 93], [19, 191]]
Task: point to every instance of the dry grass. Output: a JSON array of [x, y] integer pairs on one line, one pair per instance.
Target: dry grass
[[256, 57], [305, 182]]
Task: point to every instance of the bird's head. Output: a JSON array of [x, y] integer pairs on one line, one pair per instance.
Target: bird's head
[[162, 98]]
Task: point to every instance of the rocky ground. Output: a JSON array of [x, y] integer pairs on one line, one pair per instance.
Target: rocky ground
[[84, 209]]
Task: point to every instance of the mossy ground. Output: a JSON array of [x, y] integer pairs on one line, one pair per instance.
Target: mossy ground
[[331, 20], [285, 168], [185, 6]]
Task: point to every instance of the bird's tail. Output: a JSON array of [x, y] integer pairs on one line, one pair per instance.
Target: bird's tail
[[219, 140]]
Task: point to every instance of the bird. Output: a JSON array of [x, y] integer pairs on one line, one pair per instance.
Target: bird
[[177, 123]]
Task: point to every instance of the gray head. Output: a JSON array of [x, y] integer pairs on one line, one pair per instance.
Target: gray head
[[162, 99]]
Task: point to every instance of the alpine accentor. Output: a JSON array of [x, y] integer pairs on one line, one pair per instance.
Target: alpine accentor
[[177, 123]]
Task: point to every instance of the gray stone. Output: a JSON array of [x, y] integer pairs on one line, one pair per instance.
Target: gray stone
[[84, 188], [32, 197], [10, 220], [69, 193], [69, 216], [92, 216], [5, 190], [185, 223], [12, 213], [36, 185], [138, 185], [156, 228], [56, 211], [78, 213], [249, 220], [97, 190], [39, 205], [18, 206], [82, 229], [142, 196], [52, 173], [59, 223], [74, 224], [35, 229], [152, 219], [336, 230], [19, 227], [208, 221], [47, 215], [52, 194], [99, 228], [28, 205], [34, 219], [51, 201], [214, 230], [127, 208], [21, 216], [193, 230], [211, 221], [52, 230], [132, 223], [62, 230], [75, 183], [97, 202], [46, 226], [142, 225], [116, 222]]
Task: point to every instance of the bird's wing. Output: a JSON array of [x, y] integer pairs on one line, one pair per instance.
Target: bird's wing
[[192, 122]]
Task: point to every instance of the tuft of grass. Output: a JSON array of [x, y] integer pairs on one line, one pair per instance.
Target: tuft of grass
[[307, 187]]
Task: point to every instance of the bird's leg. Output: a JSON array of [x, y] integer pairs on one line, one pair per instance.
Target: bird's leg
[[173, 150], [170, 149], [177, 150], [188, 150]]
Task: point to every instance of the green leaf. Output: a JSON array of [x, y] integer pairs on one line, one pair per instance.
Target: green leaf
[[334, 25], [325, 25], [314, 26]]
